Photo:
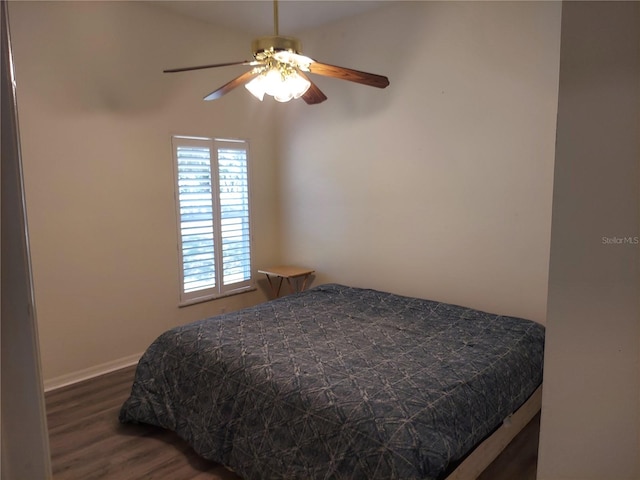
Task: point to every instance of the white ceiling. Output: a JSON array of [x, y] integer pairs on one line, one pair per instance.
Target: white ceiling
[[256, 16]]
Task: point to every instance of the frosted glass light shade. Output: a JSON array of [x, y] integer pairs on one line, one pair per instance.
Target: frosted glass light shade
[[298, 84], [256, 87], [283, 87]]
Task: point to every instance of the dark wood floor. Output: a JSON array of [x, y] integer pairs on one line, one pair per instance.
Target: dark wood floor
[[88, 442]]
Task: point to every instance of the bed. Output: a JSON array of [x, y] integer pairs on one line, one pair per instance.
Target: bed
[[341, 382]]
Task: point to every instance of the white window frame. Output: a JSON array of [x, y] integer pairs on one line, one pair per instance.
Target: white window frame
[[220, 289]]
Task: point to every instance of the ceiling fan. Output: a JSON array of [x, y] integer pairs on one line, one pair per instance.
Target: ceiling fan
[[280, 69]]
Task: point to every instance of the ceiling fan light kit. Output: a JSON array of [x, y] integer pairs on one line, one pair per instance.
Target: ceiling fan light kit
[[279, 69], [277, 74], [280, 85]]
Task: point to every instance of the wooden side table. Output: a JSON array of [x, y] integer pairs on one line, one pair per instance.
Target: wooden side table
[[293, 275]]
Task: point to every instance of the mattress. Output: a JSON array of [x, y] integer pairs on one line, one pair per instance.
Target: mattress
[[338, 382]]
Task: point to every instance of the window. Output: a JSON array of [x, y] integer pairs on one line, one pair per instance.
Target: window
[[212, 198]]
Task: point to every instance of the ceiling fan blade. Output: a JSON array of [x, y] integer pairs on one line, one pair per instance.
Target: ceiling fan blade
[[200, 67], [343, 73], [313, 95], [246, 77]]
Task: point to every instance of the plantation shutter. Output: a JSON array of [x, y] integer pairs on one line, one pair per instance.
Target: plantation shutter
[[234, 214], [195, 193], [212, 190]]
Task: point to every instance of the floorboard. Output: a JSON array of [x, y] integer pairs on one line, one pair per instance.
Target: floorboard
[[88, 442]]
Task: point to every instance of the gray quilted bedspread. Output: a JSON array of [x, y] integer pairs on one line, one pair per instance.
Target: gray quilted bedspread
[[338, 382]]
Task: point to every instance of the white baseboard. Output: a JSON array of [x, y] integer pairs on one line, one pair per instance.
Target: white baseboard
[[91, 372]]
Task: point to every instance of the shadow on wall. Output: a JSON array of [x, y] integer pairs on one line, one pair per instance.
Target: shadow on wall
[[110, 56]]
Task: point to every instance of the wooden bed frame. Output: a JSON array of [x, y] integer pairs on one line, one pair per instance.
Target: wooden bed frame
[[485, 453]]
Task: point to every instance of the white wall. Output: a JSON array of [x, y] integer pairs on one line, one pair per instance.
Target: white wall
[[591, 405], [96, 117], [468, 119], [439, 186]]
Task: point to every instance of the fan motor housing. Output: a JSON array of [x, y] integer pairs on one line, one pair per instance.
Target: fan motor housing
[[275, 44]]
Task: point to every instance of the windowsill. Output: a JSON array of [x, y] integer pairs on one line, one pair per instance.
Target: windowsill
[[209, 298]]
